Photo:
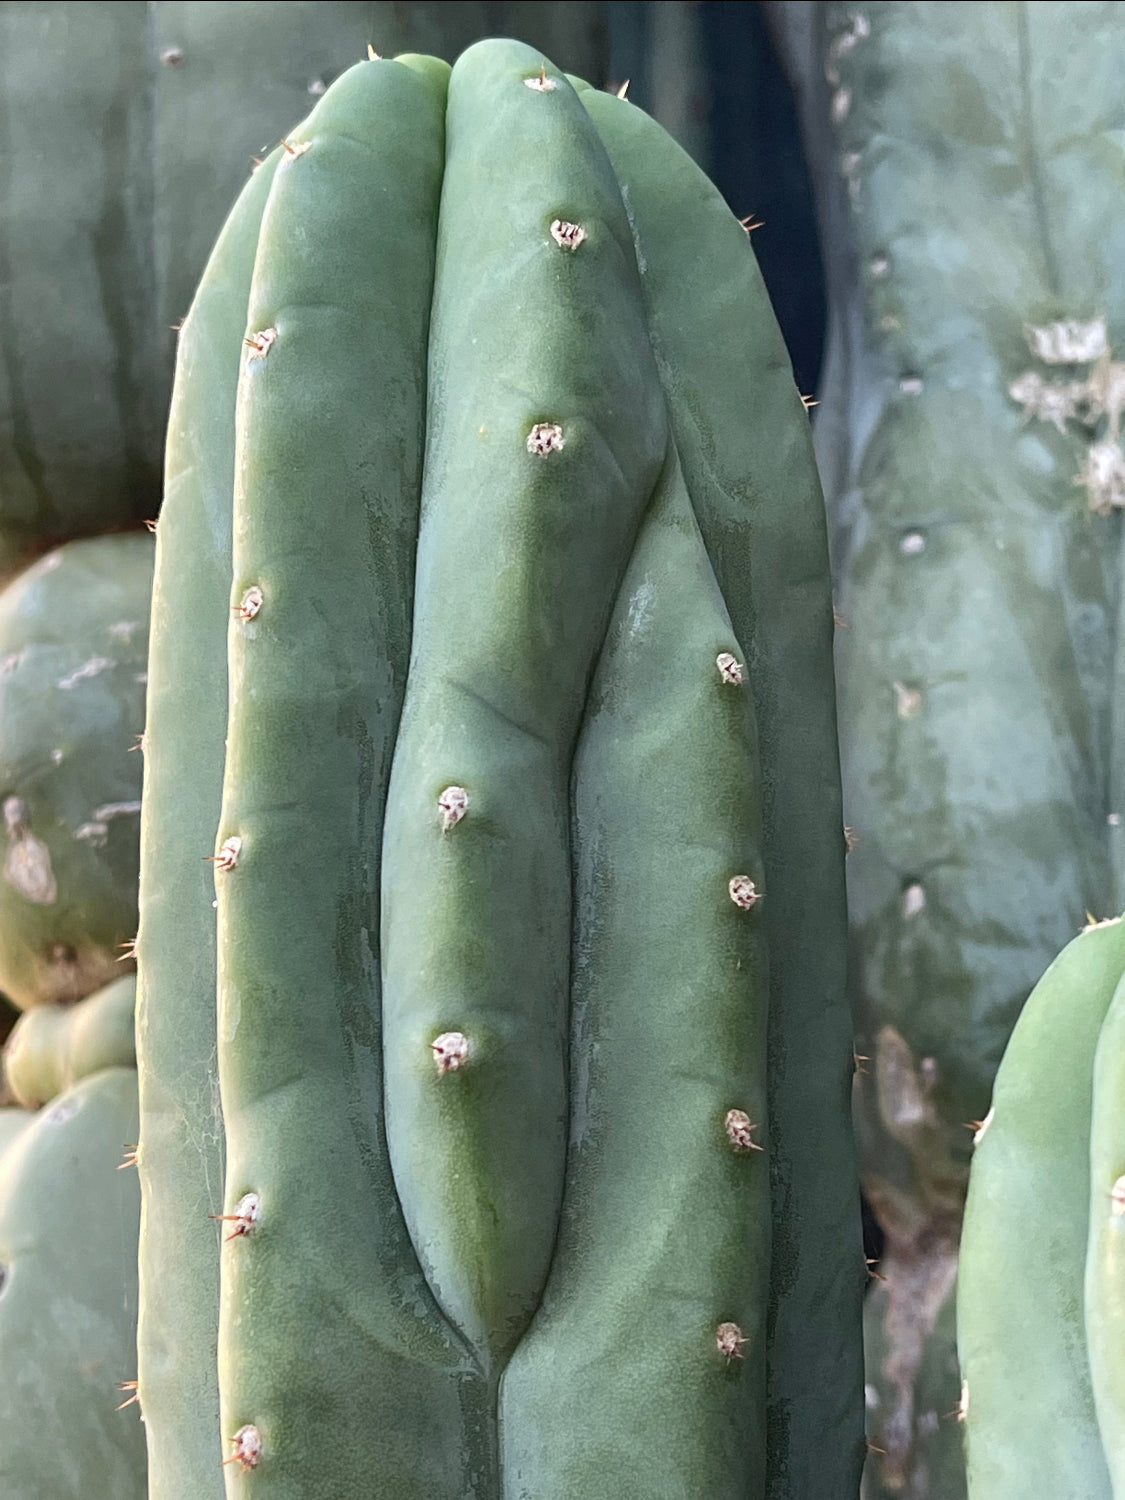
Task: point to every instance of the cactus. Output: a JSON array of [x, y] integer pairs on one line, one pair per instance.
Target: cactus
[[968, 433], [53, 1047], [73, 646], [520, 1205], [126, 131], [12, 1122], [1031, 1342], [67, 1224]]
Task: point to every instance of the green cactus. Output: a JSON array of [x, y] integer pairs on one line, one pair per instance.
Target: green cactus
[[53, 1047], [126, 132], [547, 582], [68, 1222], [1033, 1345], [968, 166], [73, 648]]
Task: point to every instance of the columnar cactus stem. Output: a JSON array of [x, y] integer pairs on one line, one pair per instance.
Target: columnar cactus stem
[[526, 529], [181, 1122], [668, 1026], [759, 507], [555, 576], [344, 271]]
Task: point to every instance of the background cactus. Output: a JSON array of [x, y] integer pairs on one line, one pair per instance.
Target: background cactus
[[53, 1047], [68, 1312], [476, 302], [73, 648], [127, 130], [1040, 1283], [73, 638], [969, 162]]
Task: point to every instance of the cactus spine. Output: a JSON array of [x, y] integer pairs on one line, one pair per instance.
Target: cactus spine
[[519, 615]]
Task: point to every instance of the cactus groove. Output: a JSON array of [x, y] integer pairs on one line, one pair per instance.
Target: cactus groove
[[529, 756]]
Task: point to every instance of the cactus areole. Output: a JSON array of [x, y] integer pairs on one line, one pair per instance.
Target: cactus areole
[[492, 674]]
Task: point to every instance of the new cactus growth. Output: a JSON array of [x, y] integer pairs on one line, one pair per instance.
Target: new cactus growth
[[73, 653], [526, 759]]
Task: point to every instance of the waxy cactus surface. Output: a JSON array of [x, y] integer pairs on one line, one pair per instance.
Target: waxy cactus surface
[[68, 1303], [530, 1159], [1042, 1281]]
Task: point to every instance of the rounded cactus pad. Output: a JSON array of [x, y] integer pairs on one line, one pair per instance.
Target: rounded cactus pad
[[73, 668], [53, 1047]]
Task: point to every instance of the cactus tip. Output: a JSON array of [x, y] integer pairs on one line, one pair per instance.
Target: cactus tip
[[1117, 1195], [540, 82]]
